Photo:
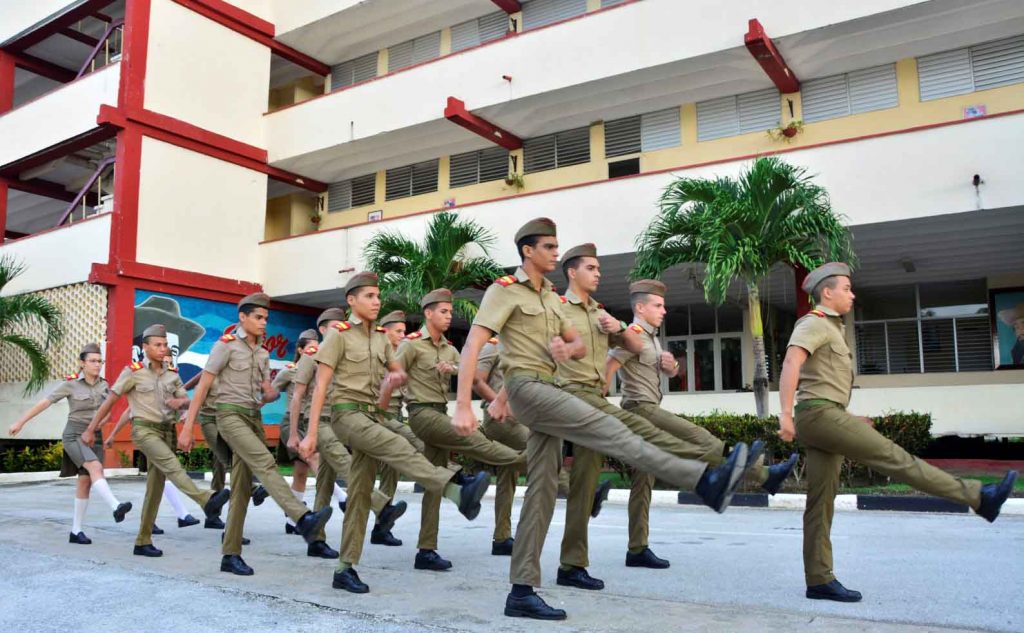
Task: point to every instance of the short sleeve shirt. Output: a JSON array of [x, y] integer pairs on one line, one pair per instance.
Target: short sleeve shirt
[[359, 357], [641, 373], [305, 374], [525, 320], [487, 362], [589, 370], [148, 391], [241, 369], [83, 399], [828, 372], [419, 355]]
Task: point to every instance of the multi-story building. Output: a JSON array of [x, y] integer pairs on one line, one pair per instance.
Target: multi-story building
[[169, 156]]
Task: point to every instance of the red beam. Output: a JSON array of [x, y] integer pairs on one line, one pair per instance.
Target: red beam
[[457, 113], [7, 73], [508, 6], [39, 187], [57, 24], [3, 211], [11, 170], [78, 36], [172, 280], [764, 51], [43, 68], [256, 29]]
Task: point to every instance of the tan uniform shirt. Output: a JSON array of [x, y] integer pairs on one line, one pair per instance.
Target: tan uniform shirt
[[419, 355], [148, 391], [526, 320], [241, 369], [305, 374], [641, 373], [828, 372], [283, 382], [83, 399], [209, 408], [359, 358], [589, 370]]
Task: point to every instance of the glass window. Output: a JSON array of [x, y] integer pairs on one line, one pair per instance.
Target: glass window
[[704, 364], [732, 363], [702, 319], [954, 299], [677, 322], [887, 302], [730, 318], [679, 381]]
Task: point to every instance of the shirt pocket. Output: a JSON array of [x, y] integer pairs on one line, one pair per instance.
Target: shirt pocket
[[534, 321], [842, 358]]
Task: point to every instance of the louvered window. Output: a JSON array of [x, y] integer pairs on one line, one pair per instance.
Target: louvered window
[[414, 51], [642, 133], [980, 67], [571, 147], [537, 13], [859, 91], [479, 31], [738, 114], [354, 71], [411, 180], [351, 193], [610, 3], [471, 168]]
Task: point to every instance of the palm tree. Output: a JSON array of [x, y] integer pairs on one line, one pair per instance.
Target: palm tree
[[739, 229], [409, 270], [19, 313]]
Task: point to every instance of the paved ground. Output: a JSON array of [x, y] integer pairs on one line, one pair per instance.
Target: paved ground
[[736, 572]]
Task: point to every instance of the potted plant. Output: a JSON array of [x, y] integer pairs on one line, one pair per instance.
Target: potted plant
[[515, 180], [786, 132], [315, 218]]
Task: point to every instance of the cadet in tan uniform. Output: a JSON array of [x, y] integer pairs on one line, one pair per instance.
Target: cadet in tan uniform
[[354, 359], [819, 369], [430, 360], [155, 394], [526, 314], [334, 458], [240, 364], [85, 392]]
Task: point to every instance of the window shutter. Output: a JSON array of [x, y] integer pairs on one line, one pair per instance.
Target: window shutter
[[493, 26], [537, 13], [424, 177], [398, 183], [610, 3], [871, 358], [945, 74], [493, 164], [573, 147], [825, 98], [341, 75], [758, 111], [465, 35], [659, 129], [463, 169], [426, 48], [400, 56], [717, 118], [873, 89], [973, 344], [622, 136], [339, 196], [365, 67], [539, 153], [998, 63], [364, 190]]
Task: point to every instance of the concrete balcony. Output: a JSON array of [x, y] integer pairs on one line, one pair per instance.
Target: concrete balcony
[[59, 256]]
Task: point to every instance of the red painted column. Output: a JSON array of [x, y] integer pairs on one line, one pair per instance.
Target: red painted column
[[120, 322], [7, 71], [804, 303], [3, 211]]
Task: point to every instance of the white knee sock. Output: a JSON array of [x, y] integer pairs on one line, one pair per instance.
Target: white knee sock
[[339, 493], [76, 522], [300, 495], [174, 498], [101, 488]]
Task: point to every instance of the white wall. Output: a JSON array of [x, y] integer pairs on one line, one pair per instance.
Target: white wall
[[206, 74], [48, 425], [21, 15], [60, 256], [199, 213], [62, 114]]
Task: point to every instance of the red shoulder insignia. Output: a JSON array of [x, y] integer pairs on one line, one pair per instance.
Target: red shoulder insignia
[[637, 328], [415, 335], [135, 366], [563, 299], [309, 351], [493, 340], [227, 338], [71, 377], [817, 313], [341, 326], [380, 329], [289, 366], [600, 306], [505, 281], [174, 369]]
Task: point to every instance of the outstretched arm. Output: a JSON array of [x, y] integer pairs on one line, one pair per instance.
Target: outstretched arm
[[36, 409]]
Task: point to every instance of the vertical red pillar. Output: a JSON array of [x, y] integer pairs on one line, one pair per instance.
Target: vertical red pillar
[[120, 324], [7, 71], [804, 303]]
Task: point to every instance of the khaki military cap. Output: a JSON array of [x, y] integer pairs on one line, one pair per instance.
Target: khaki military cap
[[154, 330], [436, 296], [330, 314], [823, 272], [309, 334], [648, 287], [90, 348], [537, 226], [583, 250], [359, 280], [258, 299], [395, 316]]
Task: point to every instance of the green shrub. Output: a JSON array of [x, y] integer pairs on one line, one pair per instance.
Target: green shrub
[[199, 458], [28, 459]]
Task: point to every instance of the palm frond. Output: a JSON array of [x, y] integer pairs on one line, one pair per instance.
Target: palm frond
[[37, 359], [21, 311], [10, 267]]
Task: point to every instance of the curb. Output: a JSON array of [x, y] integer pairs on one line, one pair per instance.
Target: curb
[[53, 475]]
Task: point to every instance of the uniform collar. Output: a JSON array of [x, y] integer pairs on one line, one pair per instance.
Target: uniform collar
[[242, 335], [644, 324], [829, 311], [523, 278], [426, 336], [575, 299]]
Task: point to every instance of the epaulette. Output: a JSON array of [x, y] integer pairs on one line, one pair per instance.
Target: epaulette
[[562, 297], [415, 335], [600, 306], [637, 328], [71, 377], [227, 338], [505, 281], [380, 329], [341, 326], [174, 369], [493, 340], [135, 366], [817, 313], [290, 366], [309, 351]]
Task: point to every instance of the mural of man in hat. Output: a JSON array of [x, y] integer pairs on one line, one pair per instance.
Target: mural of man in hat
[[181, 331], [1014, 318]]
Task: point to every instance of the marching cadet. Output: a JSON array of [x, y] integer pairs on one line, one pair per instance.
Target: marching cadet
[[641, 371], [334, 459], [240, 364], [85, 392], [155, 394], [818, 369], [526, 314], [429, 359], [355, 358]]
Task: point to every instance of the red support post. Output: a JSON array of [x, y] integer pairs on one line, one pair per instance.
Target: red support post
[[509, 6], [120, 321], [3, 210], [457, 113], [764, 51], [804, 303], [7, 72]]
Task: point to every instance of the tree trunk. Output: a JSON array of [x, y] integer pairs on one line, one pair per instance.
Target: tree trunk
[[760, 361]]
